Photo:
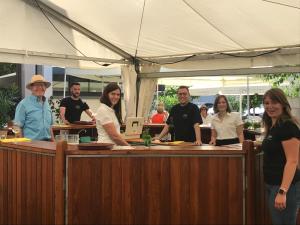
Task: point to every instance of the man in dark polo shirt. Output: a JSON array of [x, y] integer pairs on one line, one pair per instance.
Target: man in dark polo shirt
[[71, 107], [184, 119]]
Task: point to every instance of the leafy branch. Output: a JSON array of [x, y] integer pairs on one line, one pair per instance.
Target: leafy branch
[[54, 106], [289, 82]]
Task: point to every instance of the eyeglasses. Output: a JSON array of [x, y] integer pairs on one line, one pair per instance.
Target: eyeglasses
[[203, 109], [184, 94]]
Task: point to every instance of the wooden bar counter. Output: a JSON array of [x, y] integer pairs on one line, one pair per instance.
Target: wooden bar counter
[[45, 183], [90, 130]]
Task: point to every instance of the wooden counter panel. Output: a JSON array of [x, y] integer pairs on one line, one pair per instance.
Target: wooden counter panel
[[26, 187], [45, 147], [155, 190], [261, 207]]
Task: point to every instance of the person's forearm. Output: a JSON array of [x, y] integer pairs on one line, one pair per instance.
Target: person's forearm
[[62, 112], [240, 133], [90, 114], [213, 137], [241, 138], [197, 132], [163, 132], [119, 140], [288, 174]]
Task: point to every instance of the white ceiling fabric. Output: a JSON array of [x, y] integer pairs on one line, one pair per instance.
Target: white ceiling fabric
[[176, 27], [25, 28], [149, 29]]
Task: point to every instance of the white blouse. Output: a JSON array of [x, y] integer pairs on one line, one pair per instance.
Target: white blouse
[[226, 128], [207, 120], [104, 116]]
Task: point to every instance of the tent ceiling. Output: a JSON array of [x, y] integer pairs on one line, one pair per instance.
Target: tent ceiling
[[181, 27], [150, 29]]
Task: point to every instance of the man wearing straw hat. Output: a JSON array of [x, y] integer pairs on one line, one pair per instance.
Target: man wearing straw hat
[[33, 113]]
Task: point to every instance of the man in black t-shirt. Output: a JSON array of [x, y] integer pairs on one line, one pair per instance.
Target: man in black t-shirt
[[184, 119], [71, 107]]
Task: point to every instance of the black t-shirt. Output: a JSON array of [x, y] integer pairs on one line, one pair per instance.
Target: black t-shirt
[[74, 108], [274, 157], [183, 118]]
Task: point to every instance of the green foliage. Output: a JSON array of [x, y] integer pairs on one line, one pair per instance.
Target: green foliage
[[252, 125], [9, 98], [247, 124], [54, 105], [6, 68], [289, 82], [234, 102], [256, 125], [169, 97]]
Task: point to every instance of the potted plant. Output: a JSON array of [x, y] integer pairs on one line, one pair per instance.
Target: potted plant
[[247, 124]]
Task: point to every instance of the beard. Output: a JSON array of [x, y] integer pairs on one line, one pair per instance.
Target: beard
[[75, 95]]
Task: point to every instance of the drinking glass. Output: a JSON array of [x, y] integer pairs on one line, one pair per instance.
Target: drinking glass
[[73, 139], [3, 134], [17, 131]]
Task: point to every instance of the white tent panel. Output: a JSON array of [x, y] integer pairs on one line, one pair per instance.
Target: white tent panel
[[238, 62], [151, 28], [240, 90], [108, 71], [176, 27], [24, 27], [213, 82]]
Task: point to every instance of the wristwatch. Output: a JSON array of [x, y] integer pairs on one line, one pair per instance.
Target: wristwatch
[[281, 191]]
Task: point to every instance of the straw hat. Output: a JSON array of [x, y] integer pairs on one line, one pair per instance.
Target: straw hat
[[38, 79]]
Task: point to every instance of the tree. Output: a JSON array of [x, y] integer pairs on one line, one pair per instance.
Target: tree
[[289, 82], [6, 68], [169, 97], [234, 103], [9, 98], [255, 101]]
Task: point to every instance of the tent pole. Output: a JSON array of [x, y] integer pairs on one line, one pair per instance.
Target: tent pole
[[241, 105], [65, 79], [248, 97]]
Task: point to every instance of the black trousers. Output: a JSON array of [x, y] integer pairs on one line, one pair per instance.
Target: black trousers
[[227, 141]]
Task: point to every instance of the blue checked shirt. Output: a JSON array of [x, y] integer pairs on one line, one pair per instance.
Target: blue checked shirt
[[34, 117]]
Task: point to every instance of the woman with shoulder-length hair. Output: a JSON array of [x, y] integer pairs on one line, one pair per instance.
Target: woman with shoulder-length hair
[[281, 150], [227, 126], [108, 117]]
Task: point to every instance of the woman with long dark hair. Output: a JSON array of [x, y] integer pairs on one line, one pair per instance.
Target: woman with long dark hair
[[108, 117], [281, 151], [227, 126]]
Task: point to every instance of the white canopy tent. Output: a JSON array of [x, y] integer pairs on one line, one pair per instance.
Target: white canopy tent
[[228, 85], [188, 37]]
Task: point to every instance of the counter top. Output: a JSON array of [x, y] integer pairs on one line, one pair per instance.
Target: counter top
[[49, 147]]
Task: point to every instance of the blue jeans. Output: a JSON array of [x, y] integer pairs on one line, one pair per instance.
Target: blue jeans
[[289, 214]]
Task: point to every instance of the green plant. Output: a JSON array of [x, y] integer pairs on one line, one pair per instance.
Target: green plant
[[234, 103], [6, 68], [54, 105], [247, 124], [9, 98], [146, 137], [289, 82], [255, 101], [169, 97], [256, 125]]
